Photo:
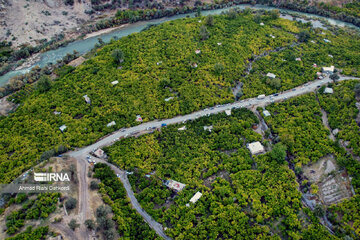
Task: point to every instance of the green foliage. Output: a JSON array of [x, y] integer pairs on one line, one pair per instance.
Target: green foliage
[[204, 33], [41, 207], [298, 123], [118, 55], [304, 36], [130, 223], [90, 224], [30, 234], [73, 224], [70, 203], [278, 153], [94, 185], [209, 20], [240, 199]]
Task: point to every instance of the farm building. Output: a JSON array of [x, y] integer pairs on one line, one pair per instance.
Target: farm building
[[99, 153], [138, 118], [228, 112], [182, 128], [329, 90], [87, 99], [114, 82], [196, 197], [328, 69], [62, 128], [111, 124], [208, 128], [266, 113], [256, 148], [271, 75], [174, 185]]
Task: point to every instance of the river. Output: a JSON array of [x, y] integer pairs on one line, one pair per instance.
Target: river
[[85, 45]]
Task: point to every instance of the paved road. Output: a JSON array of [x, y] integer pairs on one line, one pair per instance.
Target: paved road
[[81, 153]]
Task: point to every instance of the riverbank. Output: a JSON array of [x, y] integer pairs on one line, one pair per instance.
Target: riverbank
[[104, 31]]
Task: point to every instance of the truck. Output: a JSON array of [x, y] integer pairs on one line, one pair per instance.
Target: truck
[[163, 125], [262, 96]]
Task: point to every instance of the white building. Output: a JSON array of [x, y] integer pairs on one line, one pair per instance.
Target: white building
[[327, 40], [182, 128], [111, 124], [266, 113], [168, 99], [219, 43], [198, 51], [138, 118], [208, 128], [99, 153], [196, 197], [228, 112], [262, 24], [328, 69], [329, 90], [177, 186], [256, 148], [114, 82], [271, 75], [87, 99], [298, 59], [62, 128]]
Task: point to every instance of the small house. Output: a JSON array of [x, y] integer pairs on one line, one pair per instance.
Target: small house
[[298, 59], [182, 128], [266, 113], [314, 65], [327, 40], [194, 65], [62, 128], [168, 99], [114, 82], [262, 24], [197, 51], [111, 124], [329, 90], [174, 185], [328, 70], [271, 75], [196, 197], [87, 99], [208, 128], [138, 118], [99, 153], [228, 112], [57, 113], [219, 43], [256, 148]]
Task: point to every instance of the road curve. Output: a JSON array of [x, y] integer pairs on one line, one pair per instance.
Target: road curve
[[80, 154]]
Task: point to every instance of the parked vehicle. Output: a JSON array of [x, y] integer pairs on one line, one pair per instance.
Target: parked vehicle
[[163, 125], [262, 96]]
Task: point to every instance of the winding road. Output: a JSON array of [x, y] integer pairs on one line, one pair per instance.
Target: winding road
[[81, 153]]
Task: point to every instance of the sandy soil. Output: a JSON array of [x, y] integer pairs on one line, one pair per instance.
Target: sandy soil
[[6, 106], [107, 30], [28, 21]]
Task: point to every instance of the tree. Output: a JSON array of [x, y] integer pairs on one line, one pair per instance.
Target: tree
[[278, 153], [209, 20], [118, 55], [218, 68], [357, 89], [232, 14], [71, 203], [73, 224], [198, 12], [102, 211], [274, 14], [90, 224], [94, 185], [304, 36], [319, 210], [257, 18], [105, 223], [44, 84], [334, 77], [204, 33], [109, 234]]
